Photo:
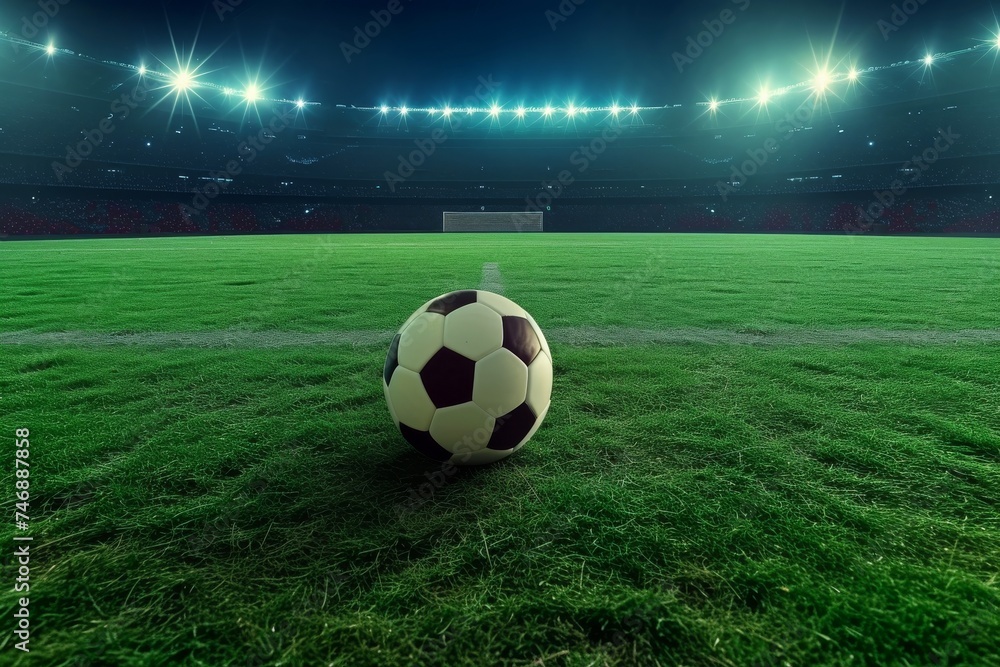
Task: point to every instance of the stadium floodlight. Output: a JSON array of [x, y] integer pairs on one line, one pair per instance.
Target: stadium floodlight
[[403, 111], [928, 60], [713, 105], [634, 109], [520, 112], [142, 70], [252, 93], [300, 103], [763, 96], [494, 111], [548, 110], [447, 112], [615, 109], [996, 42], [384, 109], [50, 49], [821, 81], [571, 110], [182, 81], [853, 74]]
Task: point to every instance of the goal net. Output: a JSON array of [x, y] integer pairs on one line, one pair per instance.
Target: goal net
[[500, 221]]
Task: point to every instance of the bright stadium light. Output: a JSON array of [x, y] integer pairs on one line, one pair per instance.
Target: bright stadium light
[[252, 93], [446, 112], [996, 42], [571, 110], [182, 81], [763, 96], [300, 104], [520, 112], [50, 49], [615, 109], [928, 60], [403, 111], [821, 81], [634, 109], [142, 70], [548, 110], [713, 105], [853, 74], [494, 111]]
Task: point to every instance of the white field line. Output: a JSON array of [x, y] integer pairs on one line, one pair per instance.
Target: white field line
[[492, 281], [574, 336]]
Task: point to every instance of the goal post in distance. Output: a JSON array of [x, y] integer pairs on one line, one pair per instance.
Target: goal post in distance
[[493, 221]]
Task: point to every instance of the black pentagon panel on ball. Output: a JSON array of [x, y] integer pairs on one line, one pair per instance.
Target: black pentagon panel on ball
[[449, 378], [512, 428], [520, 338], [449, 303], [424, 443], [391, 359]]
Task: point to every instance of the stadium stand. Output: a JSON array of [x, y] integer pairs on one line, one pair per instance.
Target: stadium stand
[[948, 212], [668, 169]]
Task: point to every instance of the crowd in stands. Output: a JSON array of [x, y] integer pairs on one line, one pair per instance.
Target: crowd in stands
[[918, 214], [940, 213]]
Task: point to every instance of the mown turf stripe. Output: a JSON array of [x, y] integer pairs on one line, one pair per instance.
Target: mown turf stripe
[[577, 336]]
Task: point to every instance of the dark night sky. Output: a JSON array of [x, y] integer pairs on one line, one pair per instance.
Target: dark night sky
[[433, 52]]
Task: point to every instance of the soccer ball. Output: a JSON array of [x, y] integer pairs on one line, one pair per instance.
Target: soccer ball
[[468, 378]]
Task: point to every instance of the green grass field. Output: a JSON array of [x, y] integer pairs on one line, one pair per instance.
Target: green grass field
[[762, 450]]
